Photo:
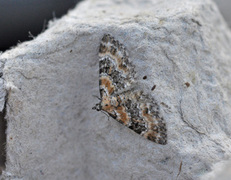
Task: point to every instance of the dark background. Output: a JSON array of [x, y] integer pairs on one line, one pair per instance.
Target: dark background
[[19, 17]]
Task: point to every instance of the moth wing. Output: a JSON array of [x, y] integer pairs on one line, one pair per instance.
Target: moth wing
[[132, 108], [114, 63], [145, 117], [116, 75]]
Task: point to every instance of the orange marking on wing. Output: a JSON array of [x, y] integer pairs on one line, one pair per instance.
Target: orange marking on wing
[[109, 104], [107, 83], [122, 115], [106, 104], [151, 133]]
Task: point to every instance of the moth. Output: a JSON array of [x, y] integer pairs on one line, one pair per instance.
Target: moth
[[120, 99]]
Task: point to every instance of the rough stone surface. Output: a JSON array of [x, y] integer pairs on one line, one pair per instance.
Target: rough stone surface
[[221, 171], [182, 48]]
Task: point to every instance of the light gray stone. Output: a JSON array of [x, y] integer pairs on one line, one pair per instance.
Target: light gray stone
[[221, 171], [182, 47], [2, 88]]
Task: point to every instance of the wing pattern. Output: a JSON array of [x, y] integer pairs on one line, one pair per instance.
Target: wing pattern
[[127, 105]]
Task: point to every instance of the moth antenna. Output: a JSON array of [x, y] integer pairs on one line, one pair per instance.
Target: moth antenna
[[97, 97]]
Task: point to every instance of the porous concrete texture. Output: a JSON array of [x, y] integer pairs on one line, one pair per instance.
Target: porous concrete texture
[[183, 47], [221, 171]]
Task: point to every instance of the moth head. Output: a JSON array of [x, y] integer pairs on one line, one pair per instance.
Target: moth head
[[97, 107]]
